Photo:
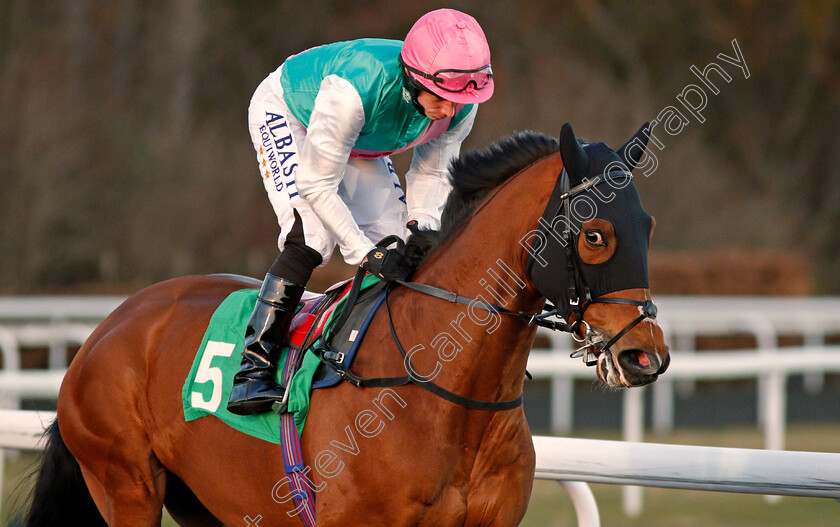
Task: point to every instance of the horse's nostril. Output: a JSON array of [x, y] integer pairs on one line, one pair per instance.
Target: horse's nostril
[[639, 361]]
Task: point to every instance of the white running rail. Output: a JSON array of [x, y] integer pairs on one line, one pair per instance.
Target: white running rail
[[573, 462]]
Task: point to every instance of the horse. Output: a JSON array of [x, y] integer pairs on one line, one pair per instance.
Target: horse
[[120, 450]]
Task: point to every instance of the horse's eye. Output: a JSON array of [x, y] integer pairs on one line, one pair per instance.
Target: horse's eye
[[595, 238]]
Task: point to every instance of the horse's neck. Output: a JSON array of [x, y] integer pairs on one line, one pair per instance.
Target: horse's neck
[[485, 260]]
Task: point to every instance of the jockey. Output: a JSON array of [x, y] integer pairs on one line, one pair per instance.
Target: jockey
[[324, 125]]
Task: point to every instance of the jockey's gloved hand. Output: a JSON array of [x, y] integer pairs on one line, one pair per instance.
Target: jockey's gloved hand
[[387, 264]]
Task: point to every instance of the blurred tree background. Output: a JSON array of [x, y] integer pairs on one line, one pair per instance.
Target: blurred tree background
[[125, 157]]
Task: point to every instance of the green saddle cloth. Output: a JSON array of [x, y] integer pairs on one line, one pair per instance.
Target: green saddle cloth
[[207, 387]]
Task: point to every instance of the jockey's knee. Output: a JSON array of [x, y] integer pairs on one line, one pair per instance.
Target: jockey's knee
[[296, 263]]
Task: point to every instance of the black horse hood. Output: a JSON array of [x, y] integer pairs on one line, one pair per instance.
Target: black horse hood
[[596, 183]]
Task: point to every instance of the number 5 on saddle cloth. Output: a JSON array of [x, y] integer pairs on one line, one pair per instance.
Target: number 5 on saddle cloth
[[322, 326]]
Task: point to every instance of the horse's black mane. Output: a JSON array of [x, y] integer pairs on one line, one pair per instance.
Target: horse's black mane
[[473, 176]]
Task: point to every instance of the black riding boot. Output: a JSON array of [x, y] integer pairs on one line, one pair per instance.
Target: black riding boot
[[254, 389]]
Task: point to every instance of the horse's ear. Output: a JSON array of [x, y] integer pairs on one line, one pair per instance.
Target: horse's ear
[[634, 149], [574, 158]]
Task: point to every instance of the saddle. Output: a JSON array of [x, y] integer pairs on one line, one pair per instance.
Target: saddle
[[335, 337]]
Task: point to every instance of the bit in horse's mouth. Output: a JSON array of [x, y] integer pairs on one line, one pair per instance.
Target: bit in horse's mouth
[[607, 367]]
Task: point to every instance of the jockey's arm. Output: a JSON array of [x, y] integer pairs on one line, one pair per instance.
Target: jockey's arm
[[334, 126], [427, 179]]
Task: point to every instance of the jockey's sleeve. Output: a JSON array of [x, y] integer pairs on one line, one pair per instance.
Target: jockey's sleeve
[[427, 179], [334, 125]]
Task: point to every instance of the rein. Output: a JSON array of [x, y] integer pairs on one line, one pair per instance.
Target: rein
[[531, 318], [332, 359], [387, 382]]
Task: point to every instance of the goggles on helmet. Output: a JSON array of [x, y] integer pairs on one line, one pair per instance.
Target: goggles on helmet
[[454, 80]]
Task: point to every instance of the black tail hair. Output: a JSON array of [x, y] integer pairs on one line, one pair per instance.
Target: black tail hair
[[60, 496]]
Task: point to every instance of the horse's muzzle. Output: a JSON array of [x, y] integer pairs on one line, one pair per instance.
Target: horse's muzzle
[[640, 367]]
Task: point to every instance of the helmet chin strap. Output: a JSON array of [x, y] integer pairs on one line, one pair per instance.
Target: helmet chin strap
[[413, 91]]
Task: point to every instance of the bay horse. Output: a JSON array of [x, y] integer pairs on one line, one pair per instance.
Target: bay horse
[[120, 449]]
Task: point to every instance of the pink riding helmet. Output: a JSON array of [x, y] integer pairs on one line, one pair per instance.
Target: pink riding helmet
[[447, 53]]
